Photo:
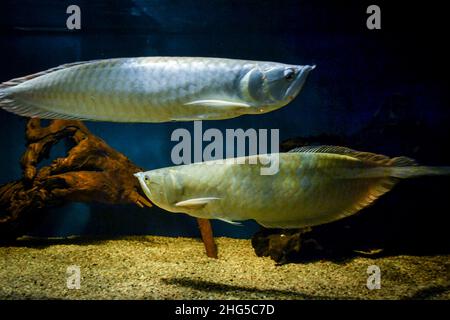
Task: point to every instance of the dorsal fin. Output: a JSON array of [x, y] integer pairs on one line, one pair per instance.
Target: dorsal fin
[[364, 156], [17, 81]]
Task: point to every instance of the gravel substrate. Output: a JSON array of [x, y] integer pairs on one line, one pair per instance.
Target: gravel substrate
[[177, 268]]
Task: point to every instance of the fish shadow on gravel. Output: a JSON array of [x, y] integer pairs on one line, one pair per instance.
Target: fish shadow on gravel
[[438, 292], [245, 292], [42, 243]]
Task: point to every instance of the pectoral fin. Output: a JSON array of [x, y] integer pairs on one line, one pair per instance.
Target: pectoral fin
[[196, 203], [219, 103], [211, 110], [209, 116]]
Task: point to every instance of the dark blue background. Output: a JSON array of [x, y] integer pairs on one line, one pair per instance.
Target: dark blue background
[[360, 75]]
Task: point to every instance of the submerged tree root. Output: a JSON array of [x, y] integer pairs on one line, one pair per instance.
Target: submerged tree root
[[92, 171]]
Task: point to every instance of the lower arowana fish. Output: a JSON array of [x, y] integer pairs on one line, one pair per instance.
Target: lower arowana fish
[[314, 185], [154, 89]]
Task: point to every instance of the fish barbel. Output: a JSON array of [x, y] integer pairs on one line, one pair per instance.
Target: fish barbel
[[154, 89], [314, 185]]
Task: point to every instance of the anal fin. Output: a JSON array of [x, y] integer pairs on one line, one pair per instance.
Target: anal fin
[[22, 109]]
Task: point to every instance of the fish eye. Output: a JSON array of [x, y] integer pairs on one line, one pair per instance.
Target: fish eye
[[289, 74]]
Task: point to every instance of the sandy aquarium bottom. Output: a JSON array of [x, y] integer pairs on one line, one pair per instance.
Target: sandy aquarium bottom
[[150, 267]]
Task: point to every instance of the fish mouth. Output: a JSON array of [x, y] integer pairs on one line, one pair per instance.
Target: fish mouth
[[140, 176], [297, 85]]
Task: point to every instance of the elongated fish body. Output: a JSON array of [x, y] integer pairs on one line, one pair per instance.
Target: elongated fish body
[[313, 186], [154, 89]]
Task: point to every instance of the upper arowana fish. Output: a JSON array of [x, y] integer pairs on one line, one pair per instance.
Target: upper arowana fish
[[314, 185], [154, 89]]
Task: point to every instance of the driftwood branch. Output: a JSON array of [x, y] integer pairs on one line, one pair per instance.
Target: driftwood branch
[[207, 237], [92, 171]]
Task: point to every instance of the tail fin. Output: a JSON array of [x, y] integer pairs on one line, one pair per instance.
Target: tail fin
[[419, 171]]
